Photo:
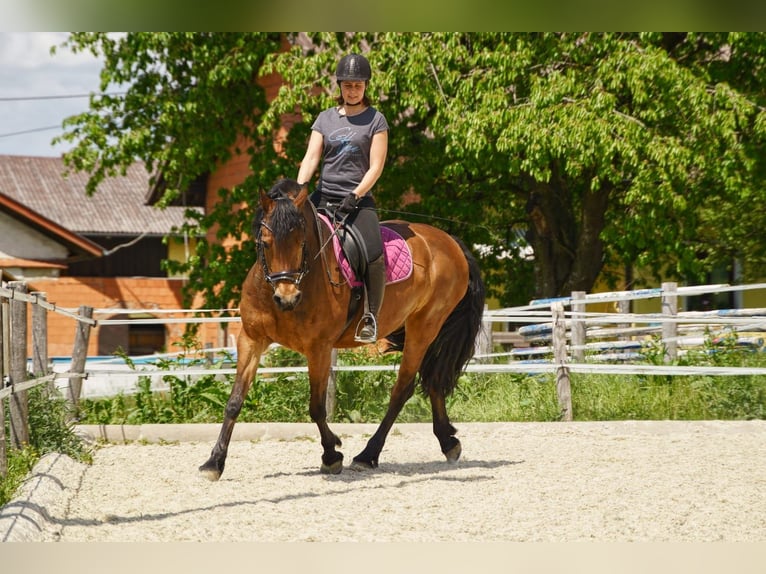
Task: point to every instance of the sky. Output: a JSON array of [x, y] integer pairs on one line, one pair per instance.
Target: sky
[[29, 73]]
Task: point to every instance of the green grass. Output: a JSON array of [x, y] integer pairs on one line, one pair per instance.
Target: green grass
[[50, 431], [363, 397]]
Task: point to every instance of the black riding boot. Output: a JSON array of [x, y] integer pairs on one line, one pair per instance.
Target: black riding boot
[[375, 285]]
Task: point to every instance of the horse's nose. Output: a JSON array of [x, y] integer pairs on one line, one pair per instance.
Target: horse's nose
[[287, 301]]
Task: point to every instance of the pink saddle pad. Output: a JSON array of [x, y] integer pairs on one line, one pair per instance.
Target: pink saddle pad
[[395, 249]]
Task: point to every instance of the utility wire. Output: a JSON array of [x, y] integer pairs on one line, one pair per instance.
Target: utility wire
[[30, 131], [60, 97], [38, 98], [32, 98]]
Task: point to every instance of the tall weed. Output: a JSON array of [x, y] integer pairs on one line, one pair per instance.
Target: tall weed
[[50, 430], [362, 396]]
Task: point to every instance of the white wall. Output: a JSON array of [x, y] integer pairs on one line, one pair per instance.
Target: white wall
[[21, 242]]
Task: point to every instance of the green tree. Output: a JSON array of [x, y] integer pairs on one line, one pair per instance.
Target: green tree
[[182, 103], [597, 151]]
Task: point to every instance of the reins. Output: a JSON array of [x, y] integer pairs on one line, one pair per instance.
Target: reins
[[325, 263], [295, 277]]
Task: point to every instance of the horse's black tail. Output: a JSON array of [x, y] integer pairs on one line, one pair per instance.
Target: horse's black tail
[[454, 345]]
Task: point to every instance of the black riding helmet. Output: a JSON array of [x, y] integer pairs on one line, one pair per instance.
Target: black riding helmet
[[353, 68]]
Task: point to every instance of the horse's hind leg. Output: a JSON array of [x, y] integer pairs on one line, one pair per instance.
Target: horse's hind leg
[[403, 389], [248, 355], [443, 429], [400, 394]]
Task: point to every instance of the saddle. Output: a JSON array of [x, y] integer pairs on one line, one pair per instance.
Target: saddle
[[350, 253]]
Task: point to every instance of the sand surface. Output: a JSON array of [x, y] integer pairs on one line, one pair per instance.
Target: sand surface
[[560, 482]]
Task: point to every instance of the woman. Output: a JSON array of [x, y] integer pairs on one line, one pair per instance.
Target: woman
[[351, 142]]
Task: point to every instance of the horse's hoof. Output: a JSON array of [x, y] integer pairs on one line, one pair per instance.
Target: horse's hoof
[[211, 474], [360, 466], [332, 463], [453, 454], [363, 462], [334, 468], [210, 471]]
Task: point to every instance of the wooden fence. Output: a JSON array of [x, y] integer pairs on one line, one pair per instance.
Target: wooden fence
[[617, 339], [16, 380], [560, 346], [551, 339], [622, 330]]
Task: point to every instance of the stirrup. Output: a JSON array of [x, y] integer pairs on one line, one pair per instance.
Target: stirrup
[[367, 329]]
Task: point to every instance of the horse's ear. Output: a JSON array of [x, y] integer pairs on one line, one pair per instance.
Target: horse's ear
[[266, 202], [302, 196]]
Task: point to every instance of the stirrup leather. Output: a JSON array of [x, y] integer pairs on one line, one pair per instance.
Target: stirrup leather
[[367, 321]]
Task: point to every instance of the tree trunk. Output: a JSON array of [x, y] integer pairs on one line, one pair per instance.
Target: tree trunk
[[565, 233]]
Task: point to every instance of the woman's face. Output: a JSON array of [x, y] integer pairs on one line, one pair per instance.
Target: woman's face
[[352, 92]]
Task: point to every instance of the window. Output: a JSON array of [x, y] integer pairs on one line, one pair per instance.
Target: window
[[146, 339], [134, 339]]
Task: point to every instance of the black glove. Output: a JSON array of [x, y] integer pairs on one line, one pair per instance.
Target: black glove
[[349, 203]]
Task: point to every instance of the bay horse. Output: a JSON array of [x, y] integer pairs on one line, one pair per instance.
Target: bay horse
[[295, 296]]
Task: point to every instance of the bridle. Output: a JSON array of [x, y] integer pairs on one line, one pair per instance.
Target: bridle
[[294, 277]]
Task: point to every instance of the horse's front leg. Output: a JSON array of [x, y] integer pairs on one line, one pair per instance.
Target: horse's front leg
[[319, 371], [248, 356]]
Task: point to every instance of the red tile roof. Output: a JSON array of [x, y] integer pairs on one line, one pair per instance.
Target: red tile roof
[[117, 208]]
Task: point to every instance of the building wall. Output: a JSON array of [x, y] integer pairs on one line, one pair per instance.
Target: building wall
[[180, 250], [21, 241], [153, 292], [108, 293]]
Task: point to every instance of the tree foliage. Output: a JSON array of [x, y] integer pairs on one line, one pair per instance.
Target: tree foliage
[[182, 103], [596, 152]]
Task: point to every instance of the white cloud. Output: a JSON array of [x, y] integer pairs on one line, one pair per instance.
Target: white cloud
[[27, 50], [28, 70]]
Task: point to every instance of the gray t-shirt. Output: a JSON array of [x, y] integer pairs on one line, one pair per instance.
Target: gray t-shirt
[[346, 153]]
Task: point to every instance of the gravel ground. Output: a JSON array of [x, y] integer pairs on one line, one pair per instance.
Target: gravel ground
[[549, 482]]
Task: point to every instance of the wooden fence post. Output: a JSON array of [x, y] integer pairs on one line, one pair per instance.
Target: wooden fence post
[[19, 401], [3, 372], [5, 336], [40, 338], [578, 327], [329, 402], [483, 342], [79, 354], [670, 329], [563, 388], [623, 308]]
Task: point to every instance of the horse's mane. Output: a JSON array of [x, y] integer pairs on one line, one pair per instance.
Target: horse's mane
[[284, 217]]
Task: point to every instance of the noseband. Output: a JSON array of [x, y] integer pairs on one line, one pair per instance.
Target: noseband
[[294, 277]]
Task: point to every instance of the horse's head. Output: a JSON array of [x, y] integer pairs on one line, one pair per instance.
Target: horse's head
[[280, 231]]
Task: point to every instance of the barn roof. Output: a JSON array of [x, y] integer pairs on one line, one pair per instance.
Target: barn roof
[[119, 207], [78, 245]]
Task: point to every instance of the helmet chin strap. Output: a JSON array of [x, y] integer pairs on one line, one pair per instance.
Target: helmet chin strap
[[359, 104]]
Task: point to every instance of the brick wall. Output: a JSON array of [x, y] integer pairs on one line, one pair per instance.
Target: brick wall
[[236, 169], [148, 293], [118, 294]]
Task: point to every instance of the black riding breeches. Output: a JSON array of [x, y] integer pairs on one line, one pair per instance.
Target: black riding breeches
[[364, 220]]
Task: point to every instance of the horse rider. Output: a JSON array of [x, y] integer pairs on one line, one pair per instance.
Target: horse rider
[[350, 140]]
